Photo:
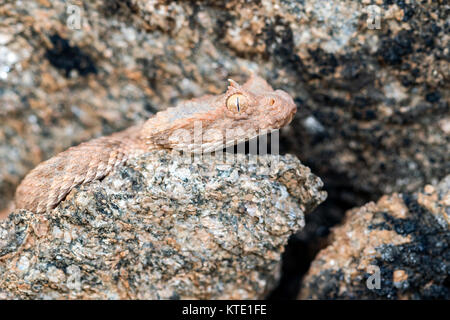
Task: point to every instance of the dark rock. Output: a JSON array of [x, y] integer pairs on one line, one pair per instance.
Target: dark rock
[[68, 58], [405, 237]]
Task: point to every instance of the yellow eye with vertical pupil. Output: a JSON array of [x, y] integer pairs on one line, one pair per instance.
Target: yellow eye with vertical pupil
[[237, 103]]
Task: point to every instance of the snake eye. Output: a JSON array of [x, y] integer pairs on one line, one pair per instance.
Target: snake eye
[[237, 103]]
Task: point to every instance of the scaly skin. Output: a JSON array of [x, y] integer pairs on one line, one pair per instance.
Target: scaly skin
[[259, 108]]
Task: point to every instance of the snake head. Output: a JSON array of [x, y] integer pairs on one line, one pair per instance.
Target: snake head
[[211, 122], [256, 105]]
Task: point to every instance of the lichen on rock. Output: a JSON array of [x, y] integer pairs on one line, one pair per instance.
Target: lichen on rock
[[405, 238], [162, 227]]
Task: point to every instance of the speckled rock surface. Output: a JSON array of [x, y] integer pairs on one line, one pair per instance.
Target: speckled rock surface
[[407, 236], [162, 228]]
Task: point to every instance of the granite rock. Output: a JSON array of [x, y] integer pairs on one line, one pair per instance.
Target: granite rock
[[403, 238], [162, 227]]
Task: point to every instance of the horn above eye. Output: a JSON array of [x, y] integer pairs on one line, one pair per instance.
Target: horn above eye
[[237, 103]]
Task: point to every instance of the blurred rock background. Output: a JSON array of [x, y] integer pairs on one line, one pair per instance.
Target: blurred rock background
[[373, 103]]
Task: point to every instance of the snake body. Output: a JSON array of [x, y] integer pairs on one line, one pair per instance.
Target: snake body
[[242, 110]]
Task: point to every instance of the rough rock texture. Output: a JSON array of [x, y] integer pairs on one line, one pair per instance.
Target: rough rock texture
[[162, 228], [407, 236]]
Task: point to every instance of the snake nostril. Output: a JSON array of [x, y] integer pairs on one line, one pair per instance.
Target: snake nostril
[[272, 101]]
